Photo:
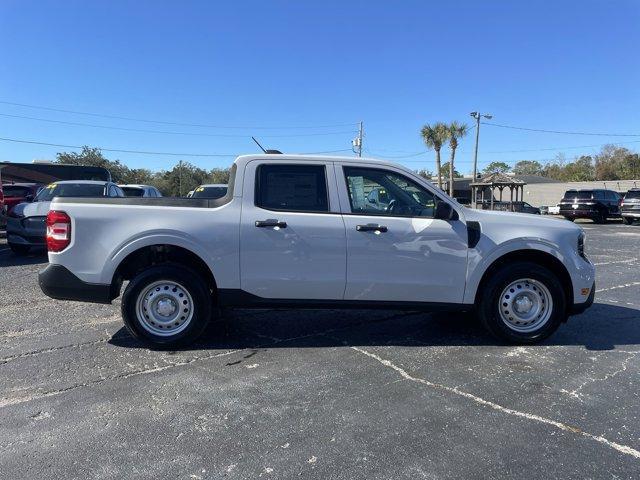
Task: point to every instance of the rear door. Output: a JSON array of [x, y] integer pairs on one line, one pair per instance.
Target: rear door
[[400, 253], [292, 237]]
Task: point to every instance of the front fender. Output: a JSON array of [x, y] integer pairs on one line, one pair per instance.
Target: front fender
[[481, 258]]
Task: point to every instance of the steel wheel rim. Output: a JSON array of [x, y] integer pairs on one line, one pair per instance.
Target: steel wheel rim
[[164, 308], [525, 305]]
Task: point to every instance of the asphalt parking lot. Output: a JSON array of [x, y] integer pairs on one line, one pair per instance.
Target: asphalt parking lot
[[322, 394]]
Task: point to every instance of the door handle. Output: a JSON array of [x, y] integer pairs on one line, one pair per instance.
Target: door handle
[[270, 223], [371, 228]]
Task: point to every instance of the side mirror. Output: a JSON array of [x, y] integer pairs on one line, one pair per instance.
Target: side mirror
[[373, 201], [29, 198], [445, 211]]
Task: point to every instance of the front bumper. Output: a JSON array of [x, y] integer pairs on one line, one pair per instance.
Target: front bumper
[[578, 308], [56, 281]]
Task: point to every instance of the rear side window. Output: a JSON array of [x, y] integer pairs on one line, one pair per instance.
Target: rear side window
[[297, 188], [632, 194]]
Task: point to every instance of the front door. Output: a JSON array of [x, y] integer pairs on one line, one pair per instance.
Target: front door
[[399, 252], [292, 237]]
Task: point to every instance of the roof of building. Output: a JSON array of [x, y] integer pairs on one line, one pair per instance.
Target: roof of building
[[497, 179]]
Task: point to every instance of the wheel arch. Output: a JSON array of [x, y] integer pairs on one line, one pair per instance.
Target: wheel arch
[[539, 257], [158, 254]]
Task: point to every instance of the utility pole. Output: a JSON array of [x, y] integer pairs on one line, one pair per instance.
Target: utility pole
[[180, 178], [356, 143], [477, 116]]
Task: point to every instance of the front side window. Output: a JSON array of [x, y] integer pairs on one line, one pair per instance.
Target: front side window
[[296, 188], [393, 194]]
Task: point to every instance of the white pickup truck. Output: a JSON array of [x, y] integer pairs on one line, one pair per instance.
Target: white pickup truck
[[303, 231]]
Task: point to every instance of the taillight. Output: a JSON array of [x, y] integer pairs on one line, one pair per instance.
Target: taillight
[[58, 231]]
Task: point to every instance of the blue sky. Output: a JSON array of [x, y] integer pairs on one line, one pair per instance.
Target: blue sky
[[570, 66]]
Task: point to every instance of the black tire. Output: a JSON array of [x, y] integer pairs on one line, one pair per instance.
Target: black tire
[[571, 219], [490, 302], [627, 220], [18, 249], [193, 285], [600, 218]]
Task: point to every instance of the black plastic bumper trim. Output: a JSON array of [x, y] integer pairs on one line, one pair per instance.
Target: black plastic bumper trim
[[578, 308], [56, 281]]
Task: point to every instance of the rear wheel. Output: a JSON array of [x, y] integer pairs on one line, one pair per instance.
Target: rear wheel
[[571, 219], [522, 303], [19, 249], [627, 220], [166, 306]]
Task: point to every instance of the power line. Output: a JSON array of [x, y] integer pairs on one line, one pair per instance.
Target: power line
[[193, 134], [463, 152], [142, 152], [160, 122], [563, 132]]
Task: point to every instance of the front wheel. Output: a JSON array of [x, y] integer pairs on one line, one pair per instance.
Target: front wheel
[[522, 303], [166, 305]]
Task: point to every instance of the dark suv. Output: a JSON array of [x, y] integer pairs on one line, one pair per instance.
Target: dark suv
[[596, 204], [631, 206]]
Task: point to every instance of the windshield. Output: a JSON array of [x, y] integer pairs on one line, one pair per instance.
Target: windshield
[[15, 191], [70, 190], [209, 192], [133, 191], [630, 194]]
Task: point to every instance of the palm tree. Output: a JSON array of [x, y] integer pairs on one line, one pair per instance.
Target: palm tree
[[434, 136], [457, 130]]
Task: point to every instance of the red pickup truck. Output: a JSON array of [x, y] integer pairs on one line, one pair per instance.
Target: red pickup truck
[[12, 194]]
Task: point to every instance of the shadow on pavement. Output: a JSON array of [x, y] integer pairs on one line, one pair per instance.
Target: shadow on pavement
[[603, 327], [10, 259]]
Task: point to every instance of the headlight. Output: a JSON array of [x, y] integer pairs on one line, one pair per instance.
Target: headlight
[[581, 238]]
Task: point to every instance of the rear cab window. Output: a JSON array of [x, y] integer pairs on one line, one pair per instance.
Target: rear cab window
[[292, 188]]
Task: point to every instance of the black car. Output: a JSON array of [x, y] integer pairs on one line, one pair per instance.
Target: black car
[[596, 204], [631, 206], [519, 207]]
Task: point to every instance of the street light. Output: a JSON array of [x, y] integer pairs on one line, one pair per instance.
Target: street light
[[478, 116]]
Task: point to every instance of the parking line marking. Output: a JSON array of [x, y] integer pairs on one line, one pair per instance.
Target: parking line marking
[[630, 260], [509, 411], [632, 284]]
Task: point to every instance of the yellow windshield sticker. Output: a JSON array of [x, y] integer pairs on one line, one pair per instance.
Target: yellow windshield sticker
[[200, 189]]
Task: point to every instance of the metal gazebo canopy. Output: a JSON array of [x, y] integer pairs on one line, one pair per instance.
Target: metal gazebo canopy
[[500, 181]]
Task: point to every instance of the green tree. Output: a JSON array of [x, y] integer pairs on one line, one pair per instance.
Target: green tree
[[445, 171], [91, 156], [528, 167], [434, 137], [457, 131], [182, 178], [580, 170], [428, 174], [499, 167]]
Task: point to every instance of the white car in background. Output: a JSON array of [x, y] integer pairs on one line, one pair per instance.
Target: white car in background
[[145, 191], [298, 231]]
